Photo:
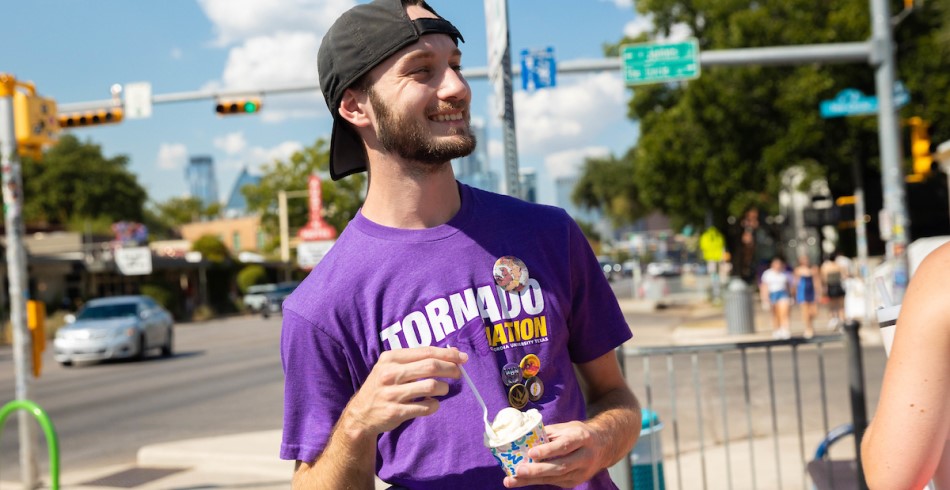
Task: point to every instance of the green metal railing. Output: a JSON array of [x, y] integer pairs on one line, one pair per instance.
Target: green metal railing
[[46, 424]]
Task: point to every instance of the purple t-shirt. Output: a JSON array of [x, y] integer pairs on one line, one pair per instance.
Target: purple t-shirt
[[382, 288]]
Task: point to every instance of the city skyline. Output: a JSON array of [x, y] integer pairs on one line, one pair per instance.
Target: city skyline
[[220, 45]]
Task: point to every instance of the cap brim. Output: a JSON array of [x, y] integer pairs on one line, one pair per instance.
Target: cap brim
[[347, 155]]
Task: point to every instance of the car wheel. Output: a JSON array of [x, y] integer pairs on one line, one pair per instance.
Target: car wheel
[[168, 348], [140, 355], [65, 363]]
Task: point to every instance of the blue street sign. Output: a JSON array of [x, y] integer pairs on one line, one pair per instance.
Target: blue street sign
[[852, 102], [538, 69]]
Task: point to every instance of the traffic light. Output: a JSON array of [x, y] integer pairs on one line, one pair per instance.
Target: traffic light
[[34, 120], [238, 106], [91, 118], [845, 212], [36, 322], [920, 146]]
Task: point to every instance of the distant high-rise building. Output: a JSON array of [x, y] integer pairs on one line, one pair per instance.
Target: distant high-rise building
[[201, 181], [528, 180], [237, 204], [473, 169]]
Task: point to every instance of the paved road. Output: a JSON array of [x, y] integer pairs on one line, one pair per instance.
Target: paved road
[[225, 378]]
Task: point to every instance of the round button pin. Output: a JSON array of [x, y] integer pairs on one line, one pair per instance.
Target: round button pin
[[510, 273], [518, 396], [535, 388], [511, 374], [530, 366]]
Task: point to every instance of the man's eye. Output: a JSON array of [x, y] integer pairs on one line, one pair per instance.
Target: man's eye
[[457, 67]]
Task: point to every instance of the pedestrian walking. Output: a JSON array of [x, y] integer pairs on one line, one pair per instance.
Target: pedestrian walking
[[371, 382], [833, 276], [807, 285], [775, 291]]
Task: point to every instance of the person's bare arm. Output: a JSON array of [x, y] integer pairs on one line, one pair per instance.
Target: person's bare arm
[[400, 387], [903, 445], [577, 450]]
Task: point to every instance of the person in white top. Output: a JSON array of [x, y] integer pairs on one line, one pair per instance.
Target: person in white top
[[775, 291]]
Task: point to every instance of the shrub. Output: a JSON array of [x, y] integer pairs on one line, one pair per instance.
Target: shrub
[[251, 275]]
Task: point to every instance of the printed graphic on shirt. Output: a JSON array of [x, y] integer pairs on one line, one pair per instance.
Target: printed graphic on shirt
[[510, 318]]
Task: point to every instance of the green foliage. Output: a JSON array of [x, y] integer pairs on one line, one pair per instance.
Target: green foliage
[[251, 275], [75, 181], [608, 184], [212, 249], [162, 295], [341, 199], [718, 144]]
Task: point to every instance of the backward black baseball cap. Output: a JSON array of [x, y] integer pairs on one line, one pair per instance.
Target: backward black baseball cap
[[363, 37]]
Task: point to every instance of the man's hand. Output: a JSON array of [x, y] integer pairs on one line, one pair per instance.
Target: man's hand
[[571, 456], [401, 386]]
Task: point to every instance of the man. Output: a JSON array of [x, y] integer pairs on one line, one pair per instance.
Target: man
[[372, 384]]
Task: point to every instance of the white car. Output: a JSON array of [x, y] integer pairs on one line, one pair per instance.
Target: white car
[[114, 328]]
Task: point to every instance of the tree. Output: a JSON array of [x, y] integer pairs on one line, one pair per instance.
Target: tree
[[608, 184], [75, 183], [212, 249], [719, 144], [341, 199]]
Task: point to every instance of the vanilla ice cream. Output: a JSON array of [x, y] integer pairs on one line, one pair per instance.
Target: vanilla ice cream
[[510, 424]]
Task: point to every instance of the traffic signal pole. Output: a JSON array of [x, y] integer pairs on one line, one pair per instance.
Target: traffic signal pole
[[892, 179], [16, 273]]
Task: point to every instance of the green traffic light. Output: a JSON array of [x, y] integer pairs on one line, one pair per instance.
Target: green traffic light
[[250, 106]]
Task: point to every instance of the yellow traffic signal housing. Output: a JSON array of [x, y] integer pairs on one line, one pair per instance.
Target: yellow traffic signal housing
[[36, 321], [34, 120], [920, 149], [238, 106], [91, 118]]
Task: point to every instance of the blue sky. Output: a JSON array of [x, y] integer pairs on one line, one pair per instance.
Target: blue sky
[[75, 50]]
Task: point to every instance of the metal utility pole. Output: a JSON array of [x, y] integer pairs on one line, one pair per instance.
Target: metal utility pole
[[892, 179], [499, 73], [16, 273]]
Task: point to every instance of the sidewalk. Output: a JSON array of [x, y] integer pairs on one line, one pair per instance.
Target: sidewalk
[[249, 461]]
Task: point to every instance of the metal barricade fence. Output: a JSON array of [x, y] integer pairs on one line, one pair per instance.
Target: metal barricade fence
[[743, 415]]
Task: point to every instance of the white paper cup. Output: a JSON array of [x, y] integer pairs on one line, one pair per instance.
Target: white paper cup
[[887, 320], [510, 454]]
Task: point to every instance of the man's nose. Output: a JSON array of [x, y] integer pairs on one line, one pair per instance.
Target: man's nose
[[453, 86]]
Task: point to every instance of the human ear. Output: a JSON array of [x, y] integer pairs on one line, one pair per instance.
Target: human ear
[[354, 108]]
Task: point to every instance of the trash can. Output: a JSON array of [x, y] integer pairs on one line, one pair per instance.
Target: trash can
[[647, 456], [740, 317]]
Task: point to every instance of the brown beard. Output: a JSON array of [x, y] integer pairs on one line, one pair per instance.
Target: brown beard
[[410, 139]]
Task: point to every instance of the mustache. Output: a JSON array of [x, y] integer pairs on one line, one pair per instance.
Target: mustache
[[450, 106]]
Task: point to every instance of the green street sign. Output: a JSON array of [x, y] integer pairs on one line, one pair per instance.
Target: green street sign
[[658, 63]]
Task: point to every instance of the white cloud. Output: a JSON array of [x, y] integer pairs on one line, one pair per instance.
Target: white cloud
[[644, 24], [272, 61], [621, 4], [231, 143], [240, 154], [569, 116], [176, 53], [172, 156], [236, 20], [568, 162]]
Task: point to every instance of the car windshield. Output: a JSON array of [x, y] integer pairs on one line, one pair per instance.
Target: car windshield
[[107, 311]]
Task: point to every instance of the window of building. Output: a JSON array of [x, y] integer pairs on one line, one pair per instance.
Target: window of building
[[236, 241], [260, 240]]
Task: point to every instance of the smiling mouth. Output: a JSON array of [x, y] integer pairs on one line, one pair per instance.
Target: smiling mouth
[[447, 117]]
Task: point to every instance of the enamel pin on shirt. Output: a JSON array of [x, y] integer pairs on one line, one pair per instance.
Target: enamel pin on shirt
[[510, 273]]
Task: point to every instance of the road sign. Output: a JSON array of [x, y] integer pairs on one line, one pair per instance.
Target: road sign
[[853, 102], [134, 261], [309, 254], [138, 100], [712, 244], [658, 63], [538, 69]]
